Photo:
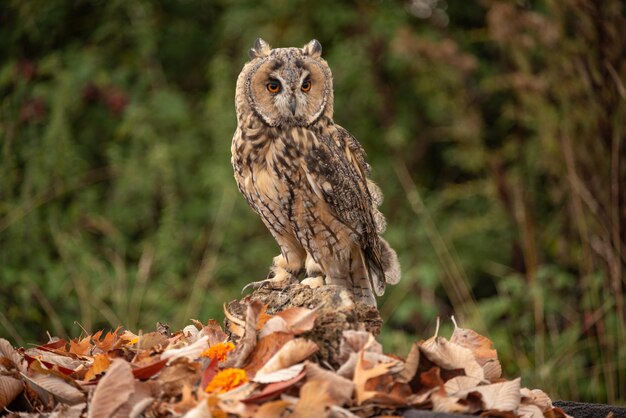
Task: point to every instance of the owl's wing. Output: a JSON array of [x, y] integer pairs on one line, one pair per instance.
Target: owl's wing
[[336, 170]]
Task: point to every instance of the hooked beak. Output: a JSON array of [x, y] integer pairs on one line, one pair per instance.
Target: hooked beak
[[292, 105]]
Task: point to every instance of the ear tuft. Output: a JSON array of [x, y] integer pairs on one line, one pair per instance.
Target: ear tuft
[[313, 49], [260, 49]]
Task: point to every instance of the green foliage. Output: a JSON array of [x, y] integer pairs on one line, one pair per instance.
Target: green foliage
[[496, 132]]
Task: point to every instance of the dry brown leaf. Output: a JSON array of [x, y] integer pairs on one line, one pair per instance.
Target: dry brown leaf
[[341, 389], [56, 387], [347, 369], [179, 373], [248, 341], [410, 365], [101, 363], [279, 375], [80, 347], [201, 410], [66, 411], [362, 373], [108, 341], [137, 403], [190, 352], [292, 352], [503, 396], [315, 397], [9, 389], [460, 383], [272, 409], [214, 332], [529, 411], [152, 340], [54, 359], [354, 341], [481, 346], [11, 354], [447, 404], [275, 324], [492, 370], [113, 390], [264, 350], [299, 319], [536, 397], [451, 356]]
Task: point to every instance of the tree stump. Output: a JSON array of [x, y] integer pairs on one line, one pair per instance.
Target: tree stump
[[337, 312]]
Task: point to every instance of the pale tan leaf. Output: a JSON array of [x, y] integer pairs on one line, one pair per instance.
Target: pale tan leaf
[[199, 411], [292, 352], [481, 346], [492, 370], [354, 341], [113, 390], [190, 352], [347, 369], [314, 399], [447, 404], [274, 324], [214, 331], [341, 389], [57, 387], [299, 319], [279, 375], [272, 409], [9, 389], [249, 339], [56, 359], [137, 403], [536, 397], [65, 411], [460, 383], [529, 411], [452, 356], [362, 373], [503, 396], [7, 351], [410, 365]]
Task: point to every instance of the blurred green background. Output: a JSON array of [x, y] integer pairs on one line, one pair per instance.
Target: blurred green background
[[495, 128]]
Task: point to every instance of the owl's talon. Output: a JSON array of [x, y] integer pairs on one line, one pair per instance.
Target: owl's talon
[[278, 282]]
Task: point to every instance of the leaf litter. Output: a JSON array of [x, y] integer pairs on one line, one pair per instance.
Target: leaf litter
[[265, 368]]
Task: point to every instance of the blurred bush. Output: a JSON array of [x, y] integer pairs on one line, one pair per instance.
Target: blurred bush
[[496, 130]]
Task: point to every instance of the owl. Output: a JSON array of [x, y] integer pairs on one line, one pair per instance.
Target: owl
[[306, 176]]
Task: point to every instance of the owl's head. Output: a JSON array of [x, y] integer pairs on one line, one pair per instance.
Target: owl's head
[[286, 86]]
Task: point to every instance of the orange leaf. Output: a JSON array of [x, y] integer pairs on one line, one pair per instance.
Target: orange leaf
[[263, 317], [80, 347], [363, 374], [100, 364]]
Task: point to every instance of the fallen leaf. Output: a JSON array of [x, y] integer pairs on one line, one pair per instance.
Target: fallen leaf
[[66, 411], [147, 371], [100, 364], [299, 319], [273, 389], [447, 404], [292, 352], [9, 389], [80, 347], [214, 332], [177, 374], [529, 411], [108, 341], [341, 389], [113, 390], [354, 341], [249, 339], [410, 365], [363, 374], [11, 355], [273, 325], [190, 352], [136, 403], [279, 375], [272, 409], [263, 351], [460, 383], [56, 387], [452, 356], [536, 397], [314, 399], [503, 396]]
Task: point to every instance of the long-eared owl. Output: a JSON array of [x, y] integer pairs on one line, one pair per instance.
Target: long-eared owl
[[307, 177]]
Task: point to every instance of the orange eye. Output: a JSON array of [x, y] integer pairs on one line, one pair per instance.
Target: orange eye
[[306, 86], [273, 87]]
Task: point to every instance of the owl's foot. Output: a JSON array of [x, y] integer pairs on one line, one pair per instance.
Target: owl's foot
[[277, 279], [313, 282]]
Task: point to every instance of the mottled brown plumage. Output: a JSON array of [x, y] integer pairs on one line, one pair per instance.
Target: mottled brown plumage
[[306, 176]]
